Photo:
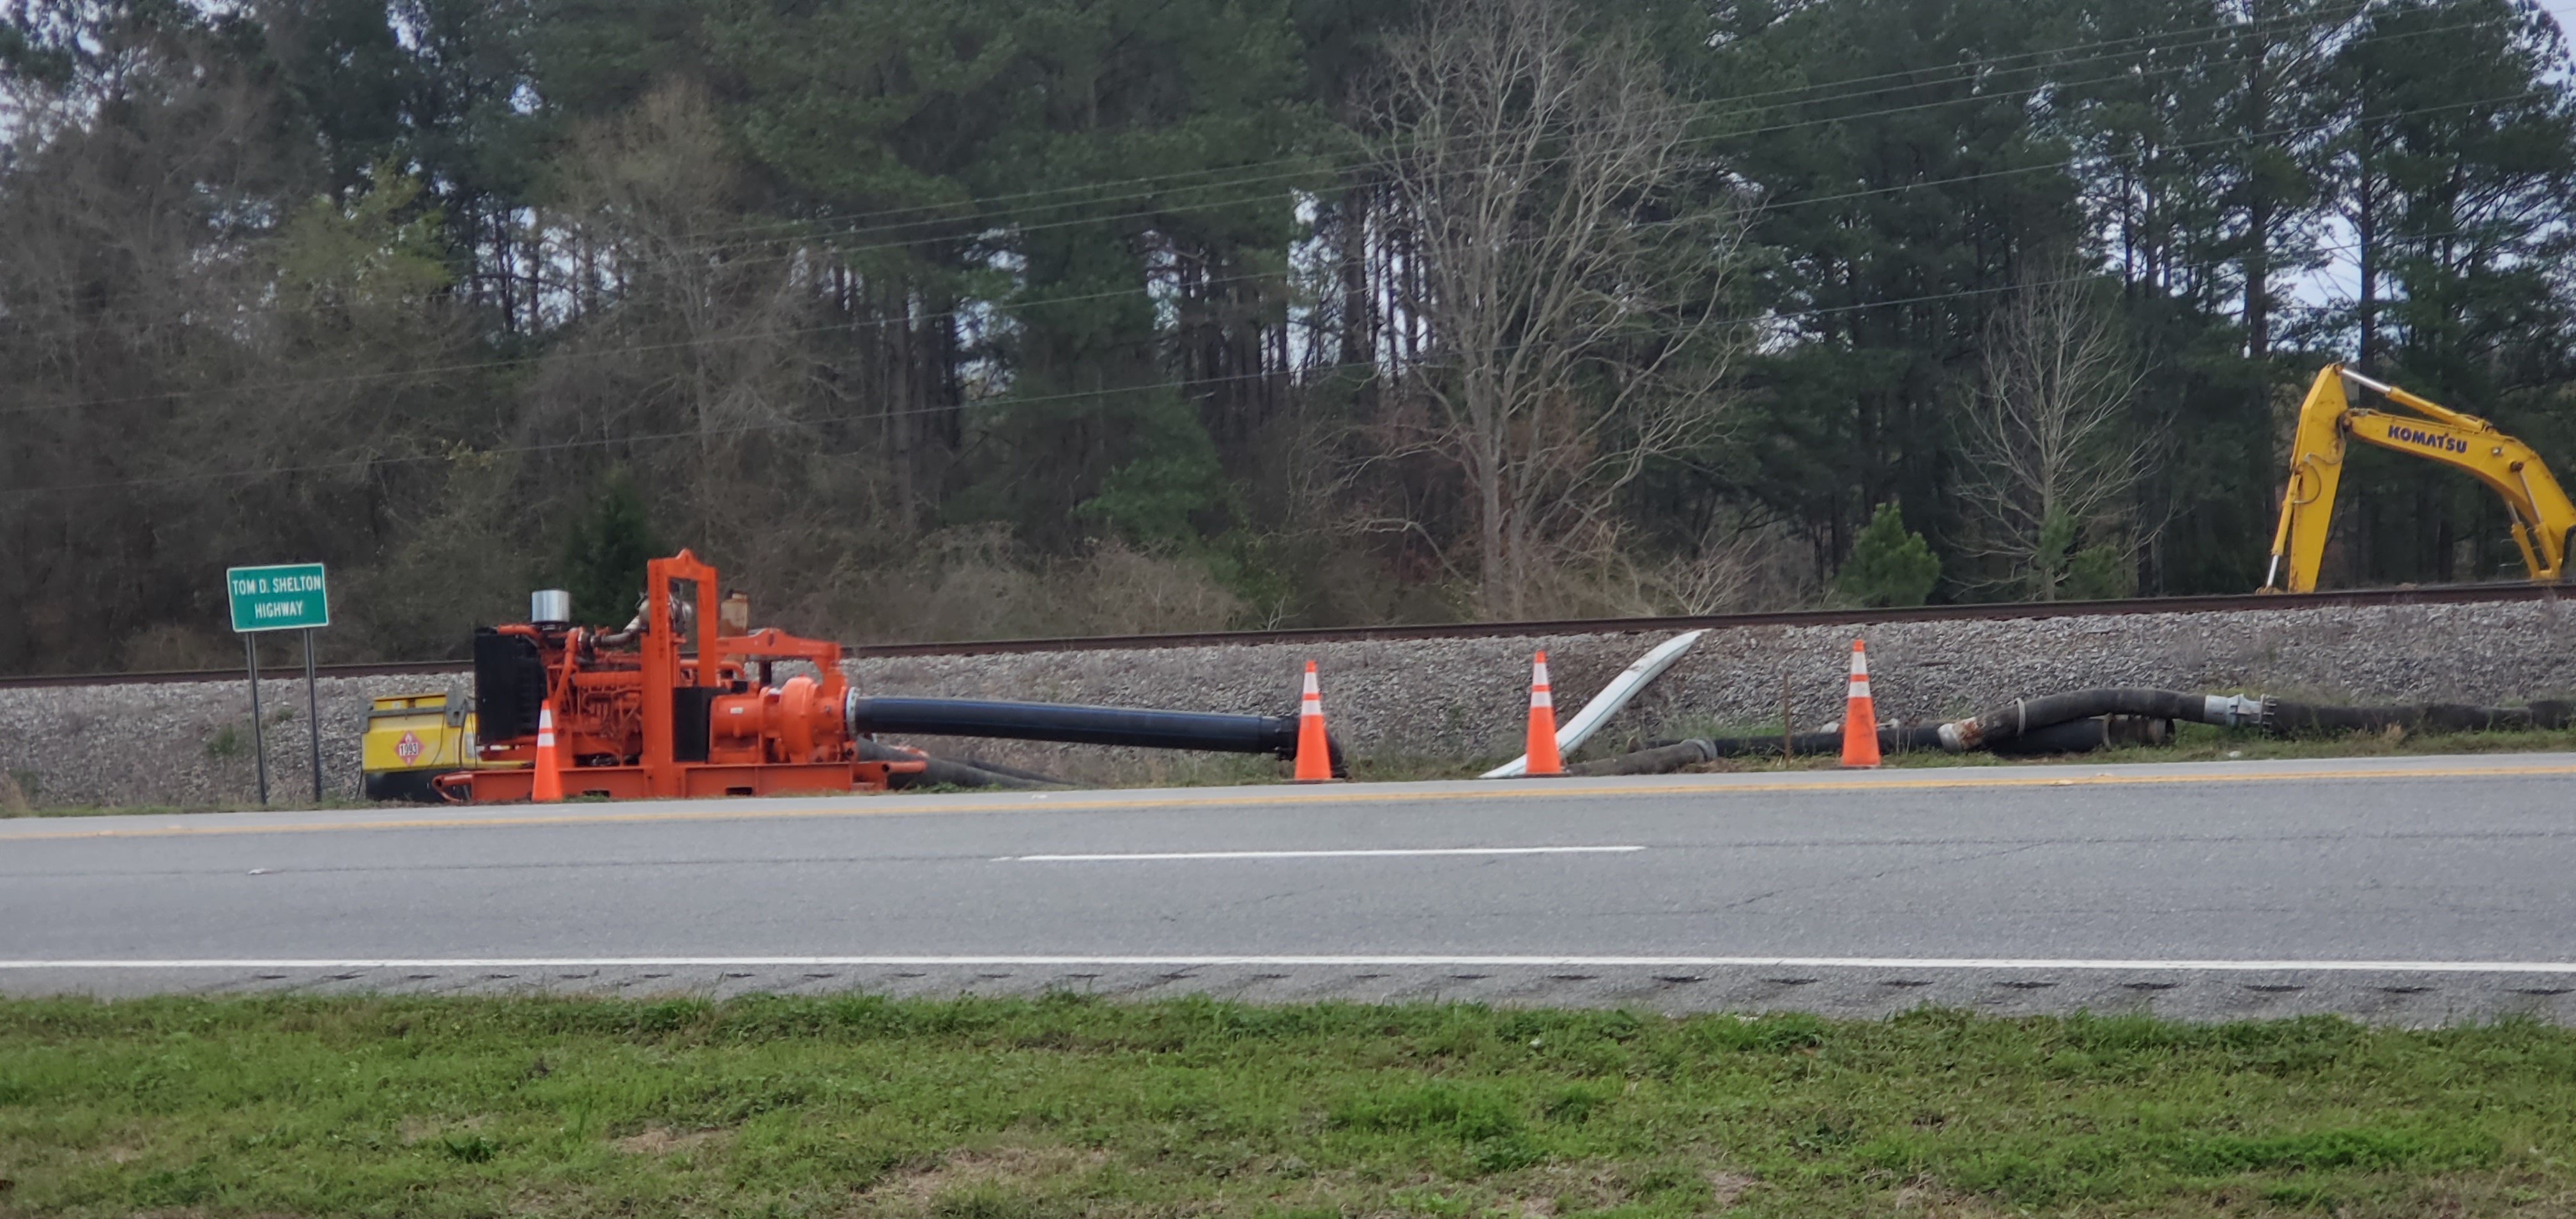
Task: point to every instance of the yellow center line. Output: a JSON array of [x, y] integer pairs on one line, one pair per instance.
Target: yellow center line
[[1527, 789]]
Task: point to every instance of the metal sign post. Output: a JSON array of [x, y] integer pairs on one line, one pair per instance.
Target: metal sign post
[[312, 715], [258, 738], [287, 598]]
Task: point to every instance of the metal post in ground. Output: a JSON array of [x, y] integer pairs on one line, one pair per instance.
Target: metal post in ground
[[312, 715], [1788, 727], [258, 733]]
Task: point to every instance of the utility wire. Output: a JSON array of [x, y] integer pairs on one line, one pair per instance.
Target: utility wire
[[435, 370], [1757, 211], [1819, 91], [1002, 223], [999, 403]]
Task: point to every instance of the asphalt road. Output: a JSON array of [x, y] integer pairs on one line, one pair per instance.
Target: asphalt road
[[2416, 889]]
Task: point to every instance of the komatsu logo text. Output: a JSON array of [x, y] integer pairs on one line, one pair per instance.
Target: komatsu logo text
[[2430, 440]]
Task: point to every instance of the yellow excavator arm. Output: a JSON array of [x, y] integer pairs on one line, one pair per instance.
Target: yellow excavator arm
[[2544, 522]]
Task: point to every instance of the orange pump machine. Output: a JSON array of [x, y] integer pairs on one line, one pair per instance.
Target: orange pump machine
[[669, 706]]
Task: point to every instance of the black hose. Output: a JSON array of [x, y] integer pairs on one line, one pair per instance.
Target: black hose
[[1080, 725], [2084, 720], [1898, 739], [2012, 720], [1013, 771], [2023, 715], [2087, 735], [1075, 724], [2297, 719], [1661, 760], [1665, 757], [938, 771]]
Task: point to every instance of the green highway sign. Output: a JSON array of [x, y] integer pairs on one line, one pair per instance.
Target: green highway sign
[[283, 598]]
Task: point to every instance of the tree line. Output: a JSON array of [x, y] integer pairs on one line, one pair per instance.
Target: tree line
[[950, 318]]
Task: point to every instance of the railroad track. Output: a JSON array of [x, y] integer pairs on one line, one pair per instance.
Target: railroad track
[[2448, 594]]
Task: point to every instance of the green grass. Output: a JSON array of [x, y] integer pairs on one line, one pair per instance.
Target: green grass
[[1066, 1107]]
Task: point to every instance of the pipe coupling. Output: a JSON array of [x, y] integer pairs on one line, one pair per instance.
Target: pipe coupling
[[1960, 736], [2238, 711]]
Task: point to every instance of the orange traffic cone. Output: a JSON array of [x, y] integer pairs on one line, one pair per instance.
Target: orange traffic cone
[[549, 777], [1314, 752], [1541, 758], [1860, 718]]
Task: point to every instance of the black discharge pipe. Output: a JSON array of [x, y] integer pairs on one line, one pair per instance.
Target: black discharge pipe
[[1664, 757], [1079, 725], [2085, 720], [2300, 719], [2087, 735], [2015, 719], [2274, 716]]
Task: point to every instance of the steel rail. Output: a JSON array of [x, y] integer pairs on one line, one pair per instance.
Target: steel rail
[[2447, 594]]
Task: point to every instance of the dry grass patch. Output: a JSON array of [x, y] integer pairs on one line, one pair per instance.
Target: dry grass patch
[[1929, 1200], [1006, 1169], [1725, 1187], [662, 1141]]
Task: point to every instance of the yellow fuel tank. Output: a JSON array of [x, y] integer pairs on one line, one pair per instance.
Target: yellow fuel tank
[[412, 738]]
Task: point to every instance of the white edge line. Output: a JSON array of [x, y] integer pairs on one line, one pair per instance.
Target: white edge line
[[1902, 963], [1349, 854]]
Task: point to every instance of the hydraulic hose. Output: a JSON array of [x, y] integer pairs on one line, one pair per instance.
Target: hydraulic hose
[[936, 771], [1080, 725], [1012, 771]]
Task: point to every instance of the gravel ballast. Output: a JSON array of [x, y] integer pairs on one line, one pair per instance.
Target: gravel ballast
[[1402, 700]]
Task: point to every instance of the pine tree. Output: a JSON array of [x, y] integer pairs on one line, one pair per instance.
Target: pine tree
[[1890, 564], [603, 559]]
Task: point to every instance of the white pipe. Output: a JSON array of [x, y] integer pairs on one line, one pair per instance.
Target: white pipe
[[1576, 731]]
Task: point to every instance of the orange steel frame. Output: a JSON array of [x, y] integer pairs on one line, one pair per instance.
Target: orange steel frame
[[803, 748]]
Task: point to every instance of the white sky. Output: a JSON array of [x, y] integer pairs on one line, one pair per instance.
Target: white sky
[[2338, 281]]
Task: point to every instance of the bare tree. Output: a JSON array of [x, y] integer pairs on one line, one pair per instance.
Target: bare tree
[[702, 340], [1572, 281], [2051, 458], [653, 196], [139, 190]]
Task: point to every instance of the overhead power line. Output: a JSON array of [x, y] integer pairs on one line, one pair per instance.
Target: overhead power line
[[1806, 201], [1000, 403], [1010, 221]]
